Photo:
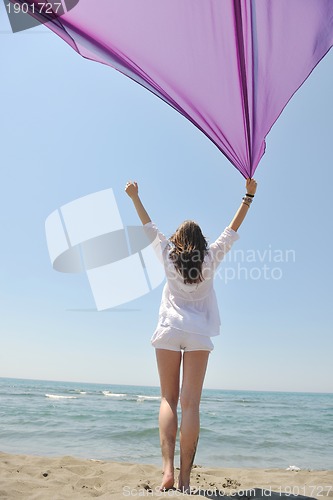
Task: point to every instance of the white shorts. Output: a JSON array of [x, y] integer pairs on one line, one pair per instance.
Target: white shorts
[[178, 340]]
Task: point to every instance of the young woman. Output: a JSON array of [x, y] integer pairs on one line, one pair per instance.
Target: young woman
[[188, 318]]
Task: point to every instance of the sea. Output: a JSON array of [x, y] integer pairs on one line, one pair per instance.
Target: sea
[[120, 423]]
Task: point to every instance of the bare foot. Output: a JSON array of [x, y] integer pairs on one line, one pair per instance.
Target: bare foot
[[184, 488], [168, 481]]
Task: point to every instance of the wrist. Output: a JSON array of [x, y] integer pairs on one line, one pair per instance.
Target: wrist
[[247, 200]]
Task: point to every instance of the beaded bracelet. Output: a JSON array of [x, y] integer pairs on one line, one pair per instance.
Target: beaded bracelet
[[247, 199]]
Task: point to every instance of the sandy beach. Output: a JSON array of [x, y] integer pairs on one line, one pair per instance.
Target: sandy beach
[[32, 477]]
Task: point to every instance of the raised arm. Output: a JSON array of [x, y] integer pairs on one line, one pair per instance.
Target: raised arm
[[251, 187], [132, 190]]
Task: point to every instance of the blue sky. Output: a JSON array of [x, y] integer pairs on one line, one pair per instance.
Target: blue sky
[[71, 127]]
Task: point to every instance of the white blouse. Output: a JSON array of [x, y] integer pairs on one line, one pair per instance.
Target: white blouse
[[191, 307]]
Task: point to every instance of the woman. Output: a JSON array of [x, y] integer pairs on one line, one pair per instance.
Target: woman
[[188, 318]]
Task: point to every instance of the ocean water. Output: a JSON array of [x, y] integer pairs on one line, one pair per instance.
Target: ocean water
[[120, 423]]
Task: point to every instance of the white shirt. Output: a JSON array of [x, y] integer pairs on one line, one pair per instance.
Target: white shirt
[[191, 307]]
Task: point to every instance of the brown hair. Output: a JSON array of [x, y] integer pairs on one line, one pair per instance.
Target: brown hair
[[188, 252]]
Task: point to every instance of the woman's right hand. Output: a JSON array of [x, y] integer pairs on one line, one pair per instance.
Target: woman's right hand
[[251, 186], [132, 189]]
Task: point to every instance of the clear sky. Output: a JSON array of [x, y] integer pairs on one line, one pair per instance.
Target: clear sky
[[70, 127]]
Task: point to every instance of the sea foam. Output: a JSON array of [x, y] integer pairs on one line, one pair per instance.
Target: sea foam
[[113, 394], [58, 396]]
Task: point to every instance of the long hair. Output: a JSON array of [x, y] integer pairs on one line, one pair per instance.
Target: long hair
[[188, 252]]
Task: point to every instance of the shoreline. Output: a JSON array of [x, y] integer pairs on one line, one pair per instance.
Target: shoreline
[[59, 478]]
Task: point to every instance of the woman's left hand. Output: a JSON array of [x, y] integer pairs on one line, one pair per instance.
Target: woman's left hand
[[251, 186]]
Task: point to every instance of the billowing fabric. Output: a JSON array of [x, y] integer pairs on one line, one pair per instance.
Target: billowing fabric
[[228, 66], [191, 307]]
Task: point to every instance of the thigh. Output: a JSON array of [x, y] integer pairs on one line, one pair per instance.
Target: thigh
[[168, 363], [194, 370]]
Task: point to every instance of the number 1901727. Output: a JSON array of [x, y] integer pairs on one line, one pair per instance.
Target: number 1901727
[[25, 14], [307, 490], [34, 8]]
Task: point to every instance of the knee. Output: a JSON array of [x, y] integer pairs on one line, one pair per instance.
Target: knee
[[188, 402], [171, 401]]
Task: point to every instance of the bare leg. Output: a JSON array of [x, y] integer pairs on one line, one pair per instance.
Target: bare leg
[[168, 368], [194, 369]]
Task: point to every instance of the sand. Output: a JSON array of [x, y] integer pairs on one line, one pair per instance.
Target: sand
[[30, 477]]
